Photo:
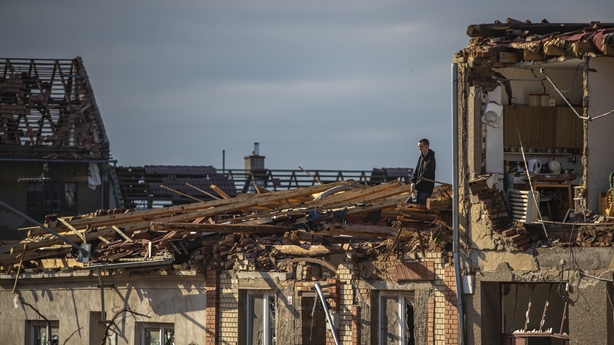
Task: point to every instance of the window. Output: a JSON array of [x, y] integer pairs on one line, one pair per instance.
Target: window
[[43, 333], [396, 319], [534, 313], [260, 320], [157, 334], [48, 198]]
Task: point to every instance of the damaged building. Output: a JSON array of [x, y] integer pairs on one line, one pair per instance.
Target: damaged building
[[253, 269], [185, 255], [192, 255], [533, 127], [51, 139]]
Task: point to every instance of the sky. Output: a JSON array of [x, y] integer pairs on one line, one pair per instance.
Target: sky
[[335, 85]]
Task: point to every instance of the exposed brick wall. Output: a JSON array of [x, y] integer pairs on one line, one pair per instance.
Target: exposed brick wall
[[347, 301], [450, 309], [335, 293], [431, 322], [228, 309], [355, 325], [212, 282]]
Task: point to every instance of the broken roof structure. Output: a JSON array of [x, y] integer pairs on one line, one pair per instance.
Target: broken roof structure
[[277, 244], [48, 110], [54, 151], [534, 117]]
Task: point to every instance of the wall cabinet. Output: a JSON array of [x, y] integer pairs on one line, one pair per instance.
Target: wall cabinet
[[542, 127]]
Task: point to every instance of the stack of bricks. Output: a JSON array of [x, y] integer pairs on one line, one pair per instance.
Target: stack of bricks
[[450, 309], [494, 206], [212, 298], [228, 309]]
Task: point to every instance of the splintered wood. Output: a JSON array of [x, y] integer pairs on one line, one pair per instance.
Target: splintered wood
[[251, 231]]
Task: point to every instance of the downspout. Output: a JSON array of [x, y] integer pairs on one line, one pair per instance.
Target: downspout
[[455, 205]]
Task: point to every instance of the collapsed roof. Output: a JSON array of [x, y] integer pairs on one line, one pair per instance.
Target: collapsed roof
[[48, 110], [519, 44], [248, 232]]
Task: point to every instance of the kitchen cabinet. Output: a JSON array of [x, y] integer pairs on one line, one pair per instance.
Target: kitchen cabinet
[[542, 127]]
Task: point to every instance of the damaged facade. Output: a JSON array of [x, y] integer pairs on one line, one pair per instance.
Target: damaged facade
[[51, 139], [219, 263], [533, 116], [244, 265], [243, 270]]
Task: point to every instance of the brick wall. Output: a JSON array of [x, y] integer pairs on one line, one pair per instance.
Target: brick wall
[[450, 310], [443, 326], [212, 299], [228, 309]]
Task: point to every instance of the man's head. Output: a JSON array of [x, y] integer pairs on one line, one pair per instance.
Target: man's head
[[423, 146]]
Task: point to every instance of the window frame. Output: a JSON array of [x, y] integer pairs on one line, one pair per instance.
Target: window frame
[[161, 327], [51, 198], [266, 296], [35, 325], [402, 298]]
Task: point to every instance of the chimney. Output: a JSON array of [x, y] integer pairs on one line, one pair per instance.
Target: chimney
[[254, 162]]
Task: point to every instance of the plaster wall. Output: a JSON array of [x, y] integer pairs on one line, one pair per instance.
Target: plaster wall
[[600, 132], [177, 300], [589, 298], [525, 81]]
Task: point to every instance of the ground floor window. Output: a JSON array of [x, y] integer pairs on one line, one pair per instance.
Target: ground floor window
[[534, 313], [43, 333], [260, 318], [157, 334], [395, 319]]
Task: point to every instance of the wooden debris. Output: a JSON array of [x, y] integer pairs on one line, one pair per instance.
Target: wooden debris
[[252, 230]]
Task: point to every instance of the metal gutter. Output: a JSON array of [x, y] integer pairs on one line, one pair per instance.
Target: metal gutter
[[455, 205]]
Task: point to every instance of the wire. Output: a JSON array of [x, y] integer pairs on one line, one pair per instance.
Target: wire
[[569, 104]]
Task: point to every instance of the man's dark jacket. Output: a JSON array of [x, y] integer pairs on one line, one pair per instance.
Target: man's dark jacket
[[425, 168]]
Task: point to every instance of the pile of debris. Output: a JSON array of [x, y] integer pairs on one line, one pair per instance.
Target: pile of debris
[[246, 232]]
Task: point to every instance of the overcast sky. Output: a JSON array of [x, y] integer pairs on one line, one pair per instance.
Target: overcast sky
[[321, 84]]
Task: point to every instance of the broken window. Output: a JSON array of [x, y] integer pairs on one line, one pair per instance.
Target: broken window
[[396, 319], [48, 198], [260, 318], [534, 314], [157, 334], [43, 333]]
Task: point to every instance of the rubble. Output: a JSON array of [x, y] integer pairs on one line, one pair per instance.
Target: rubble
[[256, 232]]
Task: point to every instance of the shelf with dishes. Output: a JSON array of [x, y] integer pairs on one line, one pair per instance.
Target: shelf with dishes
[[564, 152]]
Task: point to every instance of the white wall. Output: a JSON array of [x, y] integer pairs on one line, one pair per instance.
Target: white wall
[[601, 131], [526, 81], [179, 300]]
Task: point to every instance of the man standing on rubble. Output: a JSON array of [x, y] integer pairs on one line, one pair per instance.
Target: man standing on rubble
[[423, 179]]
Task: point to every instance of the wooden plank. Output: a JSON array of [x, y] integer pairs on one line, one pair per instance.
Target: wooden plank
[[310, 251], [219, 191], [332, 229], [528, 55], [552, 50], [509, 57], [138, 216], [121, 233], [222, 228], [581, 48]]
